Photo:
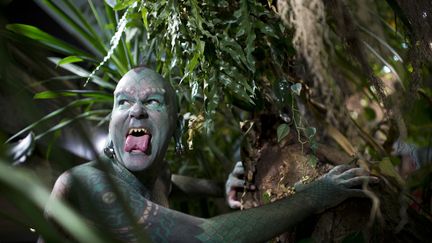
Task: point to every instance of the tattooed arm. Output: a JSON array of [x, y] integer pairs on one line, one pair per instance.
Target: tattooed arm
[[102, 205]]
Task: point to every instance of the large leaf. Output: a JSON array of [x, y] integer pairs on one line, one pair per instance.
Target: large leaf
[[69, 59], [96, 95], [282, 131], [45, 39]]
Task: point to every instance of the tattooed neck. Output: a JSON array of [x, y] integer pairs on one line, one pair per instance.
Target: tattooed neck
[[122, 173]]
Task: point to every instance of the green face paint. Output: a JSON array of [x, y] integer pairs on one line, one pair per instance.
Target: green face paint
[[143, 119]]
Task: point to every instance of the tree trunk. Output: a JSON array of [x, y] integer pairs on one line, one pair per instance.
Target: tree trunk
[[274, 168]]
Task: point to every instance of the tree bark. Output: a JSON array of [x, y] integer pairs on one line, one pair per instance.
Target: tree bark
[[275, 167]]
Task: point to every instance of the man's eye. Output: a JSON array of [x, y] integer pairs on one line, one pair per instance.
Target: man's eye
[[153, 102], [124, 102]]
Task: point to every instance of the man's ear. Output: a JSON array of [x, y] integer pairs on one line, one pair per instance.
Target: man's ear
[[178, 134]]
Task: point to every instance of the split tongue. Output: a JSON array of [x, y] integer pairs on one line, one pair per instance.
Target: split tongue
[[137, 143]]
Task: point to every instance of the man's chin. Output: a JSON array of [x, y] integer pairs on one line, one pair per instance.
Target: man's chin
[[136, 161]]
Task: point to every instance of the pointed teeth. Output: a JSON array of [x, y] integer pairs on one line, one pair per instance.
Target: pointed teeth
[[134, 130]]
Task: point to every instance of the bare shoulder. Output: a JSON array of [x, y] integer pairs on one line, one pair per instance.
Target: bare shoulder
[[83, 168], [62, 185], [64, 182]]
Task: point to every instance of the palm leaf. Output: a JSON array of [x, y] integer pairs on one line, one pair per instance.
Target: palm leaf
[[46, 39]]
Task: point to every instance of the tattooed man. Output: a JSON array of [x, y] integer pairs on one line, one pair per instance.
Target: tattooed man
[[142, 122]]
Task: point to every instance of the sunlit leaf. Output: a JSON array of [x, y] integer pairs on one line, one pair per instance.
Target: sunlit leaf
[[123, 4], [46, 95], [98, 95], [144, 14], [282, 131], [44, 38], [69, 59]]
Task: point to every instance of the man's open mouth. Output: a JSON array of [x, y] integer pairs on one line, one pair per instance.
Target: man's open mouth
[[137, 140]]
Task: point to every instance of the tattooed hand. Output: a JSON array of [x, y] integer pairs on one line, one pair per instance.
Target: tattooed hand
[[338, 184], [234, 184]]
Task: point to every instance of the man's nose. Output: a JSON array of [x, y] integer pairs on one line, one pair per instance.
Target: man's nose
[[138, 111]]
